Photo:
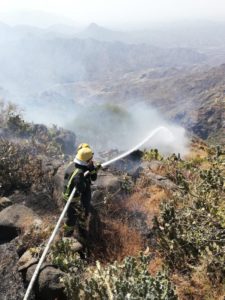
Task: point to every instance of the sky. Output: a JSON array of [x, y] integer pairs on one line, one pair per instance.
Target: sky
[[111, 12]]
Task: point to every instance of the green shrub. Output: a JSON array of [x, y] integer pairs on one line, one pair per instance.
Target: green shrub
[[17, 125], [127, 280], [20, 168], [192, 225], [152, 154]]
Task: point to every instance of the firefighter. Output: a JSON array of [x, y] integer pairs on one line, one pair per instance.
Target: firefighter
[[83, 145], [79, 174]]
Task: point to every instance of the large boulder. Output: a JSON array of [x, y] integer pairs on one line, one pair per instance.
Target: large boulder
[[108, 182], [11, 282], [48, 285], [14, 219], [67, 141]]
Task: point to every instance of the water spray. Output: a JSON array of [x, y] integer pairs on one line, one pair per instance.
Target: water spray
[[138, 146], [105, 164]]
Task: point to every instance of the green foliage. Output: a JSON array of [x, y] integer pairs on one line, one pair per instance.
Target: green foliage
[[214, 257], [116, 110], [128, 280], [17, 125], [20, 168], [152, 154], [127, 184], [63, 256], [191, 226], [69, 261]]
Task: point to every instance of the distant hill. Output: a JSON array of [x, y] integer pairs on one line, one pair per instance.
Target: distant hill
[[96, 32], [194, 98], [33, 63], [198, 34]]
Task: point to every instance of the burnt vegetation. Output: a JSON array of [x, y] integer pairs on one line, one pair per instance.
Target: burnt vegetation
[[160, 236]]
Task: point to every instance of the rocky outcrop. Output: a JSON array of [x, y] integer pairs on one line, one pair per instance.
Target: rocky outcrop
[[48, 285], [109, 182], [14, 219], [67, 141], [11, 282]]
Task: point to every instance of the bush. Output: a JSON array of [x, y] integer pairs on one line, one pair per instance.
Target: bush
[[128, 280], [20, 168], [191, 226], [152, 154], [6, 110]]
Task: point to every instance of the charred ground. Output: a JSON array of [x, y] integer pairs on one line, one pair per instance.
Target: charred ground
[[157, 222]]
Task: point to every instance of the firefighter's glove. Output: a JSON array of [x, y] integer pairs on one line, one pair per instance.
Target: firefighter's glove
[[98, 167]]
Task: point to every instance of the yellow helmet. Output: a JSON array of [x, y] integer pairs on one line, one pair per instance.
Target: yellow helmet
[[83, 145], [84, 155]]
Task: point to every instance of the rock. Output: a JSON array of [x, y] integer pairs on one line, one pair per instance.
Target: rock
[[4, 202], [26, 260], [67, 141], [11, 282], [108, 182], [128, 164], [48, 285], [74, 244], [14, 219], [50, 165], [58, 183], [162, 181], [40, 202]]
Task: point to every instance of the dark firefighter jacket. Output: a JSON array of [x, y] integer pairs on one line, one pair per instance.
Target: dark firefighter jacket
[[74, 177]]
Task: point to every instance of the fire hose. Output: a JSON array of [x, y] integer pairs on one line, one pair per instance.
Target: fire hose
[[103, 165]]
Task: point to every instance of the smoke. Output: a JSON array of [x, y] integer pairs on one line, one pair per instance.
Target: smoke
[[111, 126]]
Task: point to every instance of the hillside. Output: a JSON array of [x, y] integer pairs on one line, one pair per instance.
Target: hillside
[[192, 97], [201, 35], [156, 228], [35, 62], [44, 71]]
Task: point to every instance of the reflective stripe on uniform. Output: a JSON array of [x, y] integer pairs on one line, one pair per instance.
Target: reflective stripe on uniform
[[66, 194]]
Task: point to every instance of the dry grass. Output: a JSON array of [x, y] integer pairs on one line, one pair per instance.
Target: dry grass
[[198, 149], [205, 165], [198, 287], [35, 236], [147, 200], [117, 241], [127, 239], [117, 238], [155, 265]]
